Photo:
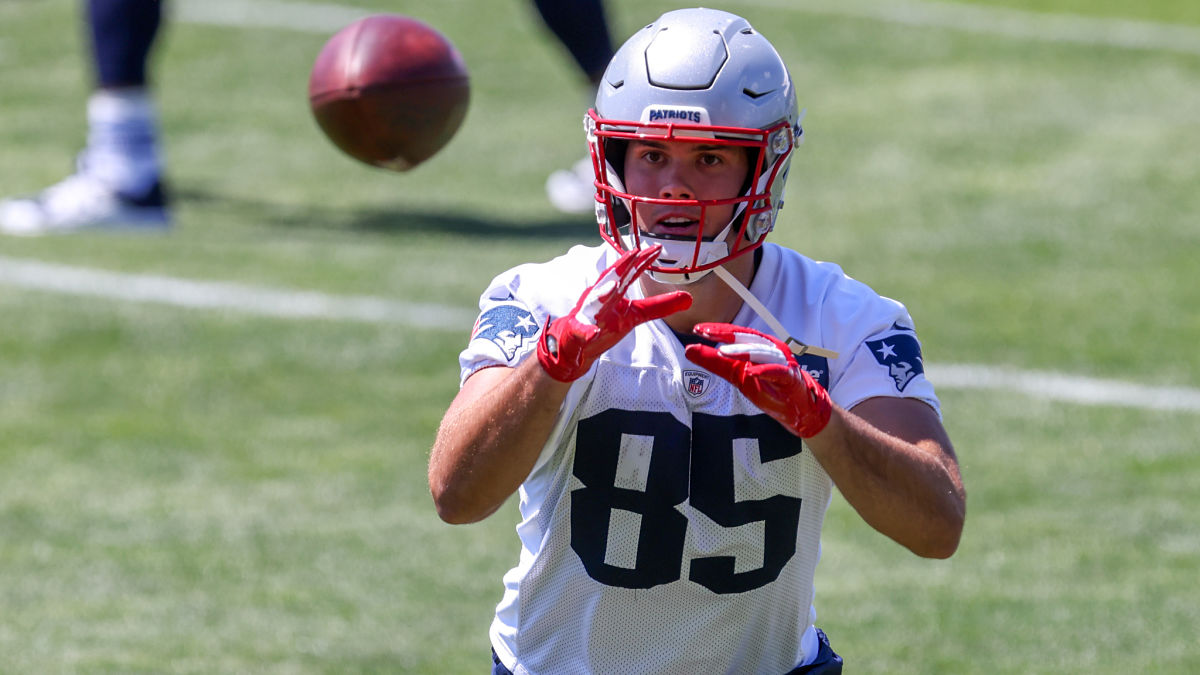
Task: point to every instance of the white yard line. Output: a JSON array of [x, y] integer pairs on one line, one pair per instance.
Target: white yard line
[[1011, 23], [242, 298], [1063, 387], [290, 304]]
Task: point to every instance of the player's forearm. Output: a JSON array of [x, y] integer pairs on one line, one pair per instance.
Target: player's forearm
[[909, 491], [490, 439]]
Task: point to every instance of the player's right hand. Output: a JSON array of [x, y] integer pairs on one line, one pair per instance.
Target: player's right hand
[[763, 368], [603, 316]]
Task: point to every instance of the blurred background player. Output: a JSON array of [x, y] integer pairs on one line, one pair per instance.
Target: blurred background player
[[582, 27], [118, 176]]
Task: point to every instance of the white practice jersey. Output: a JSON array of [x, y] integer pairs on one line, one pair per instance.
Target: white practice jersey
[[669, 525]]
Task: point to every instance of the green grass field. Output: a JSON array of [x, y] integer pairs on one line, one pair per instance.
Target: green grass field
[[210, 491]]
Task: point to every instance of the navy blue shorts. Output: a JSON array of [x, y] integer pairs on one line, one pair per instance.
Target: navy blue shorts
[[826, 663]]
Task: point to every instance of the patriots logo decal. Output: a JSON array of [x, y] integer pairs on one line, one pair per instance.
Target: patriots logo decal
[[901, 355], [509, 326]]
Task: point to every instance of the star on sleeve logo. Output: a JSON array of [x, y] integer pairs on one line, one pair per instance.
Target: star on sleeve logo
[[525, 324], [901, 355]]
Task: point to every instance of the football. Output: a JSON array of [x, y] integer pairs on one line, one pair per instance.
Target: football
[[389, 90]]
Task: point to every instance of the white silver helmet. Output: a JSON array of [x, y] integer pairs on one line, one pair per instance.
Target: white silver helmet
[[695, 75]]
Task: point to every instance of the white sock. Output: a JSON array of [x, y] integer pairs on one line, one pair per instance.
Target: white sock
[[122, 148]]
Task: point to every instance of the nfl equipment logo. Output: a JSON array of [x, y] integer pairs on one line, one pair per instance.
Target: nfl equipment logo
[[695, 381]]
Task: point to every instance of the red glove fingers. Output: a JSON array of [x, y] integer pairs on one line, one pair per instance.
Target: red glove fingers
[[603, 316], [766, 372]]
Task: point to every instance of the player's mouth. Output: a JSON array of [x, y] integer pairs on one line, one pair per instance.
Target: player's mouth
[[675, 225]]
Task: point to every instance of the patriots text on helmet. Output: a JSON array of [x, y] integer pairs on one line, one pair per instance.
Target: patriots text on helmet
[[674, 115]]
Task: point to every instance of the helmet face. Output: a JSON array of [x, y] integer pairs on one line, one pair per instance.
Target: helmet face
[[694, 76]]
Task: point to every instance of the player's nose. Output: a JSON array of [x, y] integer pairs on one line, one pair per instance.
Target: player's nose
[[675, 184]]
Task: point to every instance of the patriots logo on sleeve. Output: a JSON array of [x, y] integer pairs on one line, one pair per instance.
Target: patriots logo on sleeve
[[509, 326], [901, 355]]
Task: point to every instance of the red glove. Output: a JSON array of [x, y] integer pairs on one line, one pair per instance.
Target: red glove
[[603, 316], [764, 369]]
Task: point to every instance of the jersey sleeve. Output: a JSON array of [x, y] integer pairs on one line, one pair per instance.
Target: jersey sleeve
[[881, 355], [516, 305]]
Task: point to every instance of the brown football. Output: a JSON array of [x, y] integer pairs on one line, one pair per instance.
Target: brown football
[[389, 90]]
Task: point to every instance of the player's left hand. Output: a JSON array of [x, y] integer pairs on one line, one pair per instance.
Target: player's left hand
[[764, 369], [604, 316]]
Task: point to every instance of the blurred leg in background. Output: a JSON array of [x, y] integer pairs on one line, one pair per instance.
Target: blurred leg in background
[[118, 176], [582, 27]]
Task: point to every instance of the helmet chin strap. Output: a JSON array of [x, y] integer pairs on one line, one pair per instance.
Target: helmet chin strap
[[798, 348], [675, 249]]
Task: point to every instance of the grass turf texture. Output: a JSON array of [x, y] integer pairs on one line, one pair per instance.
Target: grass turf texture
[[191, 492]]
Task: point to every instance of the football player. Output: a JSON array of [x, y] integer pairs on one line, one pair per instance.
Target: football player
[[118, 178], [693, 393]]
